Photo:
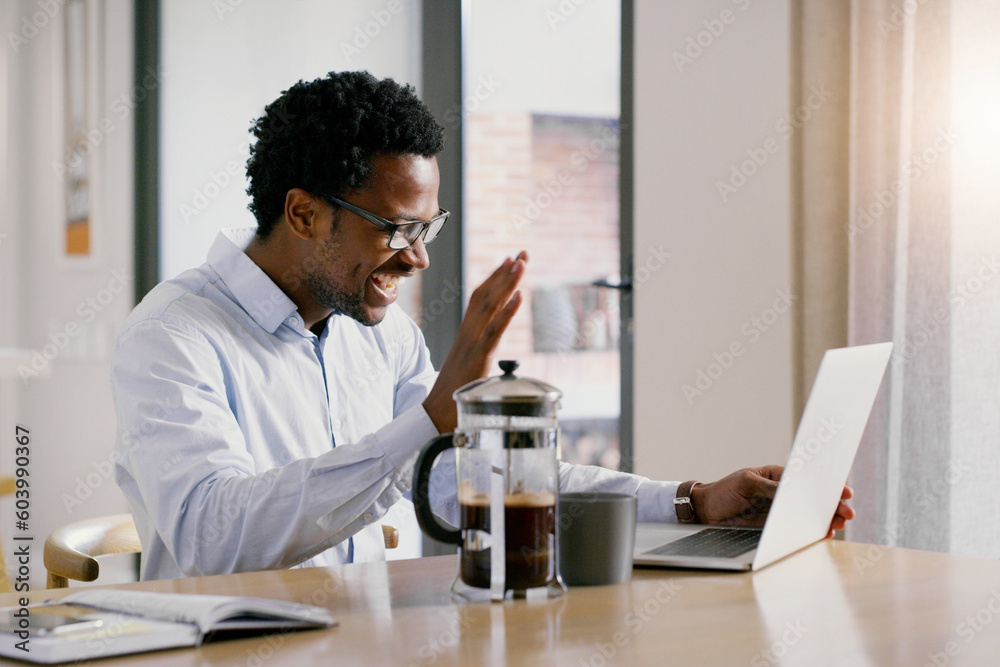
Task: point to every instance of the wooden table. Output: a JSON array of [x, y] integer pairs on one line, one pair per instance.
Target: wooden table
[[835, 603]]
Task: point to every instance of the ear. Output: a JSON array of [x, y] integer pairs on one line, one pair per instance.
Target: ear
[[302, 213]]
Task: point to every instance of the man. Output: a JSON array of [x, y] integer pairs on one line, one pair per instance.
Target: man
[[272, 402]]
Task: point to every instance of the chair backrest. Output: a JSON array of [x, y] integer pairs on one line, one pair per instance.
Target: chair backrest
[[391, 536], [70, 550]]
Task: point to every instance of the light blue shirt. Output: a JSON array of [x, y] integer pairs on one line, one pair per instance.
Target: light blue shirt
[[246, 442]]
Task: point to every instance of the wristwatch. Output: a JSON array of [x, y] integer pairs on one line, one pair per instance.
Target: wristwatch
[[682, 503]]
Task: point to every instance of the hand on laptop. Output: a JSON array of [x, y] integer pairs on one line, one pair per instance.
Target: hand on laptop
[[744, 498], [844, 512]]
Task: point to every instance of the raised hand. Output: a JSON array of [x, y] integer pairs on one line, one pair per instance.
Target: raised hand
[[490, 310]]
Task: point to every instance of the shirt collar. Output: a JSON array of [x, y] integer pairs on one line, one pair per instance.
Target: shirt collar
[[264, 301]]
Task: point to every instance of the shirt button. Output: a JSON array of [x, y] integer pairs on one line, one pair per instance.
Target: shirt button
[[368, 517], [294, 321], [338, 423]]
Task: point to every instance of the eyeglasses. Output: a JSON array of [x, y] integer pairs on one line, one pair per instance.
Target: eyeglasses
[[401, 235]]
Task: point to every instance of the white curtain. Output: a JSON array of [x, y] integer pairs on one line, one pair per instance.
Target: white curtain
[[924, 244]]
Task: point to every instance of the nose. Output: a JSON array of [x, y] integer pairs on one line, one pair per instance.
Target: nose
[[416, 254]]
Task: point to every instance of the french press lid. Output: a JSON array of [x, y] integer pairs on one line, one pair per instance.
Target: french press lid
[[508, 394]]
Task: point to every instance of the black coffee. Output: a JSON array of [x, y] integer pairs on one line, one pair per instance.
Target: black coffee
[[529, 537]]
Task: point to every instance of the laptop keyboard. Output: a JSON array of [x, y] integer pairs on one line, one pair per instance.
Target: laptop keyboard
[[712, 542]]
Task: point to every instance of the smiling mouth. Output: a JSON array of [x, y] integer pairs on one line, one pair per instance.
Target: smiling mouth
[[386, 283]]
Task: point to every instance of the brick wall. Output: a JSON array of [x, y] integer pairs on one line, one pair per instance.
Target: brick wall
[[549, 185]]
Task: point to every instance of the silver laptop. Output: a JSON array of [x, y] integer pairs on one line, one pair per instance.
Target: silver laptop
[[818, 464]]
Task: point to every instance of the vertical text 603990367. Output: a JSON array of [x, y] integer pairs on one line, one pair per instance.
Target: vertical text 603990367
[[22, 538]]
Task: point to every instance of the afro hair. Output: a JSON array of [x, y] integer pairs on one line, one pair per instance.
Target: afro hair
[[323, 135]]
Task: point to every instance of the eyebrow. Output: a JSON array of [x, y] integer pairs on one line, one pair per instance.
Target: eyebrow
[[405, 217]]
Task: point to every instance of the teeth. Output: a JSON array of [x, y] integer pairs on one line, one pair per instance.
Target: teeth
[[387, 281]]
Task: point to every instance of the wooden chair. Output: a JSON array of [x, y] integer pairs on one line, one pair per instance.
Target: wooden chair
[[7, 487], [391, 536], [71, 551]]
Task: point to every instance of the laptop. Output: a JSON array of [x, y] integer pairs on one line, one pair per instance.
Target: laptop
[[820, 459]]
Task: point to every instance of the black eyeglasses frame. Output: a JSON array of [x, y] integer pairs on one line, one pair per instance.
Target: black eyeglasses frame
[[436, 223]]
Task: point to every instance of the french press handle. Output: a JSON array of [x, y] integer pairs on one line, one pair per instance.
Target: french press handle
[[421, 492]]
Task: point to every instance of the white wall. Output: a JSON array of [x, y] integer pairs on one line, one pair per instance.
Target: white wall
[[69, 414], [8, 269], [544, 57], [729, 260], [223, 68], [8, 259]]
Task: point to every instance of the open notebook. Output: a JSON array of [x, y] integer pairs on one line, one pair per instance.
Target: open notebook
[[98, 623]]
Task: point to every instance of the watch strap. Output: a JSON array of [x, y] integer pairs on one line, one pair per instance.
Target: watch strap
[[683, 506]]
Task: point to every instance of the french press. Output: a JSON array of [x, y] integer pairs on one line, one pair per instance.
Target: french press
[[508, 480]]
